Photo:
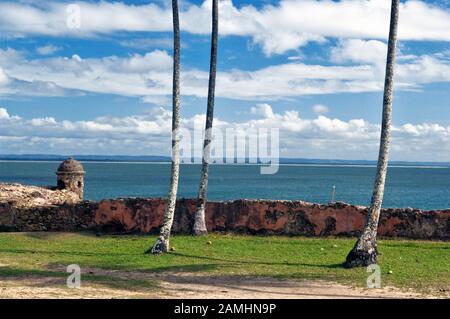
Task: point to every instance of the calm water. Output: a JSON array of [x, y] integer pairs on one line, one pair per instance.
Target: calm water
[[426, 188]]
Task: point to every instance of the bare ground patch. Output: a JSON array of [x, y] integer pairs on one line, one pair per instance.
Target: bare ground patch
[[190, 285]]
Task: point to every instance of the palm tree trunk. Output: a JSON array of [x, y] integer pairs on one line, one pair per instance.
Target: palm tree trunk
[[199, 222], [162, 243], [365, 251]]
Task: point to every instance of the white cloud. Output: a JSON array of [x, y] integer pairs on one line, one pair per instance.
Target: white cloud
[[320, 109], [264, 110], [296, 57], [4, 78], [150, 43], [4, 113], [423, 69], [160, 100], [136, 75], [15, 87], [320, 137], [278, 28], [360, 51], [47, 49], [149, 76]]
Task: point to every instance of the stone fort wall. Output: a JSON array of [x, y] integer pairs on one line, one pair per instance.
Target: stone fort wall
[[122, 216]]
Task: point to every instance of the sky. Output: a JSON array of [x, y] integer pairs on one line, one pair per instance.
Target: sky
[[101, 84]]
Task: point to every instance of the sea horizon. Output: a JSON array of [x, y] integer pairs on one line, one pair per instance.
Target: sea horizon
[[162, 159]]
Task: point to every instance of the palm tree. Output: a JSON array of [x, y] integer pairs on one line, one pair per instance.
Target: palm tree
[[365, 251], [199, 223], [162, 243]]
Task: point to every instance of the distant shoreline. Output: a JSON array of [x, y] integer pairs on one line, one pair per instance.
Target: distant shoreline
[[435, 166], [146, 159]]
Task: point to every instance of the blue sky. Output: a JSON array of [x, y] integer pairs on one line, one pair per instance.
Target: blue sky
[[318, 66]]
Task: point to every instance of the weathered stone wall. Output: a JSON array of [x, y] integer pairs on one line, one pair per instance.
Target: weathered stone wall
[[240, 216], [64, 217], [271, 217]]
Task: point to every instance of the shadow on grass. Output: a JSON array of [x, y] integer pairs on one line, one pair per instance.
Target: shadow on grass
[[49, 278], [51, 234], [126, 268], [445, 245], [187, 268], [331, 266], [59, 252], [227, 261]]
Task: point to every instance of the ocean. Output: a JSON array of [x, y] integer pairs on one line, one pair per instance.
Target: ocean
[[417, 187]]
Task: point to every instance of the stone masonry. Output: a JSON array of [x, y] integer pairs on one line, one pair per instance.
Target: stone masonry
[[131, 215]]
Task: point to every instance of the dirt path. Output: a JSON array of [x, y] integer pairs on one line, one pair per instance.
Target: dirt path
[[190, 285], [256, 288]]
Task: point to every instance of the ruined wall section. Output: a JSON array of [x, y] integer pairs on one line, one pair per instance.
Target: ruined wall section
[[123, 216]]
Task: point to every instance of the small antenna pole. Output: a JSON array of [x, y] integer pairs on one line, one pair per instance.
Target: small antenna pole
[[333, 194]]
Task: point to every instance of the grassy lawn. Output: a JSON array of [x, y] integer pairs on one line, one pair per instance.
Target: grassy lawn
[[421, 265]]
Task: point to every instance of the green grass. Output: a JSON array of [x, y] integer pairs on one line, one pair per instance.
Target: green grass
[[414, 264]]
